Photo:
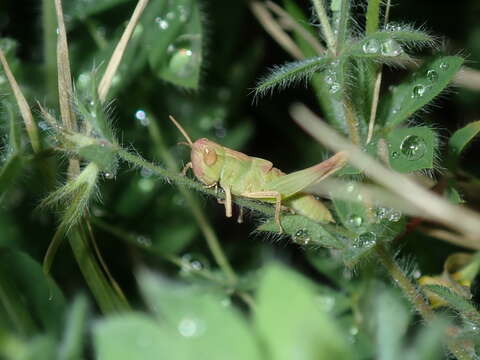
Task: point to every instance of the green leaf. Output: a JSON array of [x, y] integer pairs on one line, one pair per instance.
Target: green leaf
[[419, 90], [412, 149], [283, 76], [303, 231], [459, 140], [35, 291], [457, 302], [71, 347], [126, 337], [175, 42], [428, 343], [207, 327], [392, 323], [10, 171], [104, 156], [290, 322]]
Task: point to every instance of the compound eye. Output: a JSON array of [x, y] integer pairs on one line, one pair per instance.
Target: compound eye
[[209, 156]]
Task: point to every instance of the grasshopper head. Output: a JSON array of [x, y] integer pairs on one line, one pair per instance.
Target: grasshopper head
[[207, 160]]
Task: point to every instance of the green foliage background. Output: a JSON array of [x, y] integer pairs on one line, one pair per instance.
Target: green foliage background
[[287, 297]]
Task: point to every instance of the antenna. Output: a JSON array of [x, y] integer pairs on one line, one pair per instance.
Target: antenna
[[182, 130]]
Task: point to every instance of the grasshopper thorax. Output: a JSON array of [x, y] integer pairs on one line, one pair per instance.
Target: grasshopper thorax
[[207, 160]]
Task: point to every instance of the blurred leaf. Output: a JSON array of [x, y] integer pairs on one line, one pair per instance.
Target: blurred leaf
[[428, 343], [205, 326], [419, 90], [303, 231], [459, 140], [71, 347], [83, 9], [291, 322], [175, 42], [37, 292], [392, 323], [10, 171], [412, 149], [125, 337]]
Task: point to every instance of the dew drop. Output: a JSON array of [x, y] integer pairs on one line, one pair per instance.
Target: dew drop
[[395, 155], [394, 215], [141, 116], [381, 213], [372, 46], [302, 237], [432, 75], [183, 13], [43, 125], [413, 147], [391, 47], [162, 24], [146, 185], [143, 241], [365, 240], [444, 66], [184, 56], [326, 302], [192, 263], [355, 220], [189, 327], [418, 91], [108, 175], [334, 88]]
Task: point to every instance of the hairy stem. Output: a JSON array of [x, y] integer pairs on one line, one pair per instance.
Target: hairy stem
[[202, 221], [108, 299], [417, 299], [325, 24]]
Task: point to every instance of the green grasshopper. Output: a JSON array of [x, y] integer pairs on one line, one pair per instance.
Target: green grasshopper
[[241, 175]]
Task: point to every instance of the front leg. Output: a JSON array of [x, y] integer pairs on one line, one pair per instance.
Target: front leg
[[186, 167], [268, 195]]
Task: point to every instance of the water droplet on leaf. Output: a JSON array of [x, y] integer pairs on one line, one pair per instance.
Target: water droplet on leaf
[[355, 220], [413, 147], [418, 91], [141, 116], [432, 75], [372, 46], [184, 56], [365, 240], [302, 237], [162, 24], [444, 66], [334, 88], [391, 47], [394, 155], [189, 327], [144, 241], [108, 175]]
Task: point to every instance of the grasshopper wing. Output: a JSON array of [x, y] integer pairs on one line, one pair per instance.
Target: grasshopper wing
[[297, 181]]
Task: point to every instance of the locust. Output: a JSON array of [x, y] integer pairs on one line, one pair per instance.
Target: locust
[[250, 177]]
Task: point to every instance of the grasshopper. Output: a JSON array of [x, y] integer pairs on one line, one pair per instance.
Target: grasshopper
[[241, 175]]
